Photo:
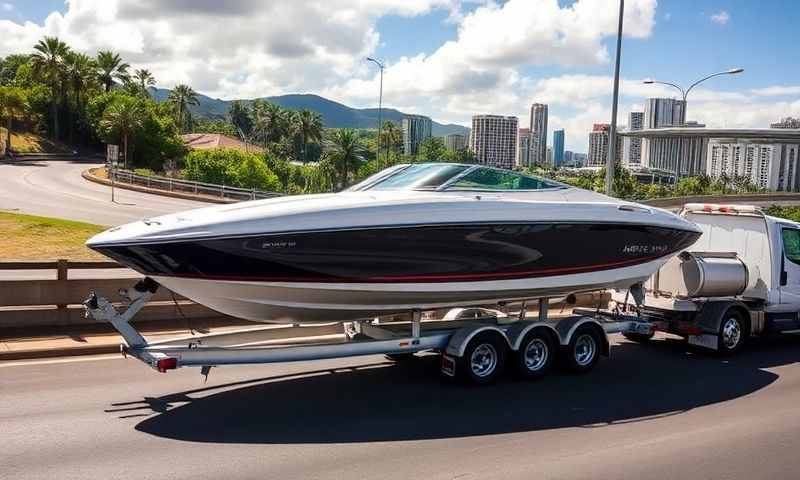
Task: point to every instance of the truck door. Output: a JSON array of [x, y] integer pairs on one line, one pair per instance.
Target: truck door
[[789, 282]]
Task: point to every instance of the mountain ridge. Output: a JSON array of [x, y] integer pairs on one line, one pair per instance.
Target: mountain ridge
[[334, 114]]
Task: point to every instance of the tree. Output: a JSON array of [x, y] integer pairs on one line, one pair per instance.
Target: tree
[[240, 117], [181, 98], [48, 63], [79, 76], [392, 136], [269, 121], [9, 66], [124, 117], [144, 78], [308, 126], [111, 67], [346, 151], [12, 104], [432, 149]]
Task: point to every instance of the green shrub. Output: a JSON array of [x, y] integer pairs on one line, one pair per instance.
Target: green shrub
[[145, 172], [226, 166]]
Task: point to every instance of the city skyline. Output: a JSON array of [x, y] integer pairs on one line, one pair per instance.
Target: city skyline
[[456, 63]]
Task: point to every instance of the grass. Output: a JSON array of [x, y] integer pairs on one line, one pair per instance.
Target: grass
[[28, 237], [26, 142]]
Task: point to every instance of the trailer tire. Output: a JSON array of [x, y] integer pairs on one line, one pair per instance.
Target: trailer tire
[[534, 359], [583, 351], [483, 360], [733, 331], [638, 337]]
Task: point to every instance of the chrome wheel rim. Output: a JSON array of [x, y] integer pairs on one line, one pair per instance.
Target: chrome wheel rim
[[585, 348], [731, 333], [536, 354], [483, 360]]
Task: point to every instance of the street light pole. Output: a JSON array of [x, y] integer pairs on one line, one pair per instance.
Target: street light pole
[[380, 107], [612, 134], [684, 94]]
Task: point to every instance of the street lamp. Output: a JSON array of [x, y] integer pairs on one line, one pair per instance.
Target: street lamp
[[612, 134], [380, 107], [684, 94]]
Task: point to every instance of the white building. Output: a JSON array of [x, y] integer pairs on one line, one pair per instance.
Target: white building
[[494, 140], [416, 129], [632, 147], [455, 142], [772, 166], [598, 145], [662, 153], [538, 129]]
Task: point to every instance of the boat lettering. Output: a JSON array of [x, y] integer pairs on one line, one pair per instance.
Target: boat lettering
[[278, 244], [644, 249]]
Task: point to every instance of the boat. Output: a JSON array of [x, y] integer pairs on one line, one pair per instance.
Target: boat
[[417, 236]]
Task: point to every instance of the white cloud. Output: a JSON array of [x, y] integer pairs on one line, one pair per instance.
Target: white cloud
[[721, 17], [777, 91]]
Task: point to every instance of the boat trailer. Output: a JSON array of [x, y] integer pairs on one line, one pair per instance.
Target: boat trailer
[[475, 342]]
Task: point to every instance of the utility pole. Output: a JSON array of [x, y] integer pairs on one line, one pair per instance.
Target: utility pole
[[612, 134], [380, 106]]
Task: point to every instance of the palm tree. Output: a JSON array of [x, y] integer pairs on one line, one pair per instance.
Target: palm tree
[[12, 104], [111, 67], [392, 135], [124, 117], [79, 76], [181, 98], [346, 151], [48, 63], [269, 121], [308, 126], [145, 78]]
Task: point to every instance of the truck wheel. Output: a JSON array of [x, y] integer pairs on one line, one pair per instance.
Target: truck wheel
[[535, 355], [732, 332], [638, 337], [483, 360], [583, 350]]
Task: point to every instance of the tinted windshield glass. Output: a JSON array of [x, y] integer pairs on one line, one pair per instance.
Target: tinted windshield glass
[[425, 176], [492, 179]]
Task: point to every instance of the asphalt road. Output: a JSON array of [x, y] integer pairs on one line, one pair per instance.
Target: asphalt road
[[649, 412], [55, 188]]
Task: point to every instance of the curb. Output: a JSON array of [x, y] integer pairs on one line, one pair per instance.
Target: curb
[[88, 175], [59, 352]]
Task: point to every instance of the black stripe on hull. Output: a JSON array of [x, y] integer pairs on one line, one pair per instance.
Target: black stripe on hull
[[409, 254]]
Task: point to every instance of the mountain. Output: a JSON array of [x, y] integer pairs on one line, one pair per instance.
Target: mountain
[[334, 114]]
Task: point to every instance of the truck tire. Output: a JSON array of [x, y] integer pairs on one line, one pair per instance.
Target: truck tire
[[733, 331], [583, 351], [483, 360], [638, 337], [534, 358]]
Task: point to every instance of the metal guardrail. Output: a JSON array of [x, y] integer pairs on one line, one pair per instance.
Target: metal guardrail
[[188, 186]]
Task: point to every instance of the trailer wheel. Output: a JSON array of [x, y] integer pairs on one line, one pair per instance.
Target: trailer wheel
[[583, 350], [639, 337], [732, 332], [535, 355], [483, 360]]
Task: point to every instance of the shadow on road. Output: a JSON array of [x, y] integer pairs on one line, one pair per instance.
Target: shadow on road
[[384, 402]]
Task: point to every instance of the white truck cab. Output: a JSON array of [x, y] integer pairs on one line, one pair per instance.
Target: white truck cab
[[741, 278]]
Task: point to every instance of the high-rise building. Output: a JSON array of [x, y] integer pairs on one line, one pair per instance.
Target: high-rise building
[[787, 122], [579, 159], [538, 127], [681, 155], [663, 152], [455, 142], [598, 145], [494, 140], [567, 159], [664, 112], [772, 166], [632, 147], [416, 129], [524, 147], [549, 157], [558, 148]]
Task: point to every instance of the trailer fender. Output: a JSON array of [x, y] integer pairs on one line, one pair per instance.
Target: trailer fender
[[566, 329], [518, 331], [458, 342], [710, 316]]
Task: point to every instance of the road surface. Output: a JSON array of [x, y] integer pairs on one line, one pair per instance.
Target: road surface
[[55, 188], [649, 412]]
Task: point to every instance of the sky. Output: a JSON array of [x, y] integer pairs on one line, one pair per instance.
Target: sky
[[448, 59]]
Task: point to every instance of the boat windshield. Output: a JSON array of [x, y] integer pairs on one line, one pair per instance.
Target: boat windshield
[[452, 177]]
